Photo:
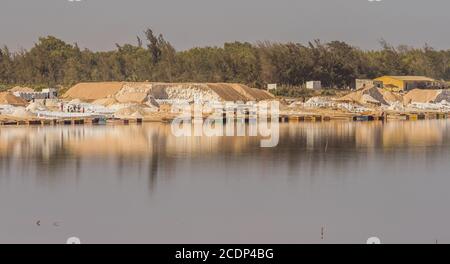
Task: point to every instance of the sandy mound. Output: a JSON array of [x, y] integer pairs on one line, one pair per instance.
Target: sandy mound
[[421, 96], [226, 92], [21, 89], [188, 91], [53, 103], [134, 111], [8, 98], [22, 113], [139, 93], [252, 94], [76, 101], [33, 107], [354, 97], [262, 94], [93, 91], [315, 102], [105, 101], [365, 96], [444, 95], [134, 93], [246, 91], [391, 97], [208, 92], [241, 92]]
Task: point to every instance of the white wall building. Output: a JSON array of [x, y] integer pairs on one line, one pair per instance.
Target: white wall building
[[49, 93], [271, 86], [314, 85]]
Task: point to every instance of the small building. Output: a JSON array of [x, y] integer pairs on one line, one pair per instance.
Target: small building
[[407, 83], [49, 93], [314, 85], [271, 86]]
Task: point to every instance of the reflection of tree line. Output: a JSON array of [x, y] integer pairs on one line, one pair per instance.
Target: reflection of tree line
[[52, 150], [308, 146], [52, 142]]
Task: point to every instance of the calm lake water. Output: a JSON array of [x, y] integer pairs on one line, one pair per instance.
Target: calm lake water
[[140, 184]]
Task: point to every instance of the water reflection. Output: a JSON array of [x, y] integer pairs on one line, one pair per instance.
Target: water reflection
[[47, 143], [141, 184], [47, 151]]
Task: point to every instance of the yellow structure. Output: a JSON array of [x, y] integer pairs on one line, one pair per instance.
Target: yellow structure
[[405, 83]]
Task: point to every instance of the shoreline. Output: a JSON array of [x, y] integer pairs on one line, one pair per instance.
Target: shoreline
[[327, 116]]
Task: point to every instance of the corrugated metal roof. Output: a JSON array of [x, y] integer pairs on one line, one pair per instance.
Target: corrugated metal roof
[[412, 78]]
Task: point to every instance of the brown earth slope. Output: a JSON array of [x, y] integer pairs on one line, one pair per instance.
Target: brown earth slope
[[7, 98], [244, 93], [21, 89], [421, 96], [364, 96], [138, 92], [227, 92], [93, 91]]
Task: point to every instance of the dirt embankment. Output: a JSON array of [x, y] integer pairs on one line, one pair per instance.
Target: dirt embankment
[[421, 96], [390, 97], [93, 91], [371, 95], [252, 93], [7, 98], [21, 89], [134, 93], [227, 92], [128, 92]]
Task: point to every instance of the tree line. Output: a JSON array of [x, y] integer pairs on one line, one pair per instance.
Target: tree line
[[53, 62]]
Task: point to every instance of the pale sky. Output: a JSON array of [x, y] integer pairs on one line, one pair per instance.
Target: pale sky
[[99, 24]]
